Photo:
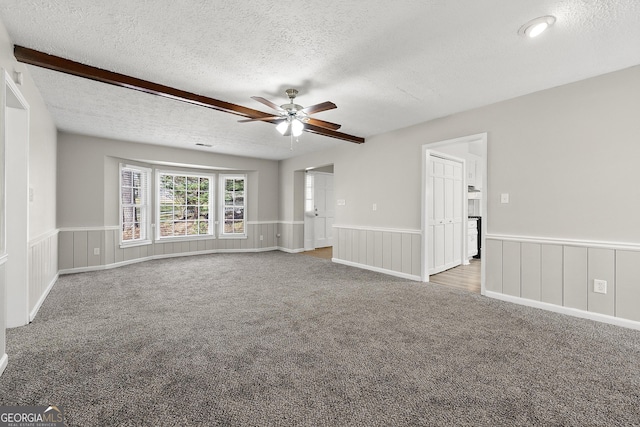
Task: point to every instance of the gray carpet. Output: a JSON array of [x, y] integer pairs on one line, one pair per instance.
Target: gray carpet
[[281, 339]]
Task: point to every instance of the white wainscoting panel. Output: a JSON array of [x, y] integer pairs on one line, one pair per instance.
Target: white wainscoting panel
[[531, 270], [291, 236], [574, 274], [493, 260], [551, 274], [395, 252], [76, 246], [43, 269], [628, 285], [561, 273], [3, 312]]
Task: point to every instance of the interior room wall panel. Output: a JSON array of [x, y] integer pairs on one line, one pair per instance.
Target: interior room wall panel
[[531, 271], [511, 272], [571, 267], [575, 277], [601, 264], [551, 274], [493, 259], [628, 284], [390, 251]]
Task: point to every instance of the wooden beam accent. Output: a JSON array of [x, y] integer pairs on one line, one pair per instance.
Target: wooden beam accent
[[67, 66], [332, 133]]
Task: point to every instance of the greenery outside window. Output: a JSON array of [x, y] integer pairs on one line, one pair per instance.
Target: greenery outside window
[[134, 205], [233, 190], [184, 205]]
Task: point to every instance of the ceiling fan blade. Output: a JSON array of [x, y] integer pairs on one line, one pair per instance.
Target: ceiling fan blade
[[268, 103], [323, 124], [319, 107], [262, 119]]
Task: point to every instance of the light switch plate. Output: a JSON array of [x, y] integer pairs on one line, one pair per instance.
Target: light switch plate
[[504, 198]]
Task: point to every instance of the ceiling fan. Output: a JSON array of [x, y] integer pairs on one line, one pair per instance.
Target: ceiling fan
[[293, 117]]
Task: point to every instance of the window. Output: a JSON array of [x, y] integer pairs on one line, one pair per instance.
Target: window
[[233, 204], [134, 204], [309, 203], [184, 205]]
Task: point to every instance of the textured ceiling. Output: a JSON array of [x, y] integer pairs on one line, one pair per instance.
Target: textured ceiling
[[386, 65]]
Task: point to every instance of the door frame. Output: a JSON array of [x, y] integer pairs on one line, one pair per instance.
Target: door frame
[[426, 148], [309, 237], [15, 142]]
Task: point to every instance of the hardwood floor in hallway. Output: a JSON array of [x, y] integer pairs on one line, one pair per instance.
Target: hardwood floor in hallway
[[325, 253], [466, 277]]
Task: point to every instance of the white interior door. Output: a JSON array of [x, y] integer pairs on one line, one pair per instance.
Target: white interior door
[[323, 210], [445, 213]]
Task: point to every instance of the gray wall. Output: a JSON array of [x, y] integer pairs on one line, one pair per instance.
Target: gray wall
[[566, 156], [96, 161], [88, 215], [42, 176]]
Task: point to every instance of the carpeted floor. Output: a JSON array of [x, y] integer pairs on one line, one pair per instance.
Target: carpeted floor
[[283, 339]]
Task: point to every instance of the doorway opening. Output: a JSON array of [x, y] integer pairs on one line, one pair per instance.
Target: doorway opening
[[469, 239], [318, 209]]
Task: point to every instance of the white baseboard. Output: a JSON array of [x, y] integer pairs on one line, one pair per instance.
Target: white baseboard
[[4, 360], [632, 324], [162, 256], [377, 269], [44, 295]]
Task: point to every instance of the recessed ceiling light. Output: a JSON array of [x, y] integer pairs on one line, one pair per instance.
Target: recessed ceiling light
[[537, 26]]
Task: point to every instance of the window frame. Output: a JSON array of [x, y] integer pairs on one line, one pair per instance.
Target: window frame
[[221, 206], [146, 240], [211, 206]]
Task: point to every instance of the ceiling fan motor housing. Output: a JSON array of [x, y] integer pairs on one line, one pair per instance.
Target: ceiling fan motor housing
[[291, 108]]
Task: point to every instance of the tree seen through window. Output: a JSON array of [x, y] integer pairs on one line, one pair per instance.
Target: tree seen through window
[[184, 203]]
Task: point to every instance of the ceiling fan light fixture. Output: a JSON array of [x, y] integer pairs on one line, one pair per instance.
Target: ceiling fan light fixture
[[296, 127], [282, 126], [537, 26]]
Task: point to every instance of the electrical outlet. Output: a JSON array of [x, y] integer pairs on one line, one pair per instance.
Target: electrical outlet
[[504, 198], [96, 251], [375, 206], [341, 202], [261, 238], [600, 286]]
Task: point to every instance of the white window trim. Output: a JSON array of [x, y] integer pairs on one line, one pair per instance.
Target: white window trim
[[147, 226], [221, 190], [212, 211]]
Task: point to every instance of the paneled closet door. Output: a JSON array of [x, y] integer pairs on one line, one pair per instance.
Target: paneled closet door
[[445, 214]]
